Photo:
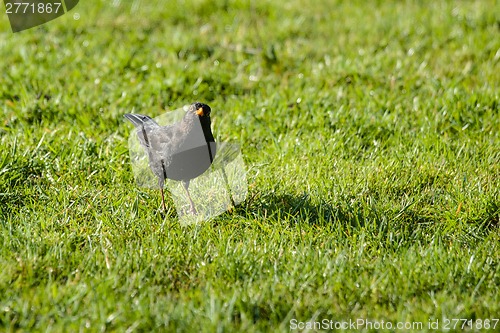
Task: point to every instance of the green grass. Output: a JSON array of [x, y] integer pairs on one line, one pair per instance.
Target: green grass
[[371, 135]]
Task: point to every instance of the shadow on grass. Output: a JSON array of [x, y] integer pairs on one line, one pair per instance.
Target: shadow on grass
[[353, 212], [302, 209]]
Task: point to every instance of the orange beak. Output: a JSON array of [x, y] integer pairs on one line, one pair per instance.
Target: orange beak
[[199, 112]]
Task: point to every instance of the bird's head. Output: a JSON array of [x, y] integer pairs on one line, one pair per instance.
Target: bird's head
[[201, 112], [200, 109]]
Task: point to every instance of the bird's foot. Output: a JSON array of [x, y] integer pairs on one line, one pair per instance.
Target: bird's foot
[[193, 211]]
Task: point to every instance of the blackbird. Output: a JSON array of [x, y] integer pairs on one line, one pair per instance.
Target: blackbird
[[181, 151]]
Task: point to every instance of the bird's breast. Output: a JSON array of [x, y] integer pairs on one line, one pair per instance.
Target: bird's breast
[[191, 162]]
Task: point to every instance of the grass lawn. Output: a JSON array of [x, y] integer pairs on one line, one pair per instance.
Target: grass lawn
[[371, 134]]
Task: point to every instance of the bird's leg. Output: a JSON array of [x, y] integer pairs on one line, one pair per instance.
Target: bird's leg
[[163, 200], [185, 183], [161, 182]]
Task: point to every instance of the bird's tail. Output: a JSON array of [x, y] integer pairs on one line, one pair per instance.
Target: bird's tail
[[143, 124], [139, 119]]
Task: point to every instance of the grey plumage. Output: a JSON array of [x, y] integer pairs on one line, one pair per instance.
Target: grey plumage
[[181, 151]]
